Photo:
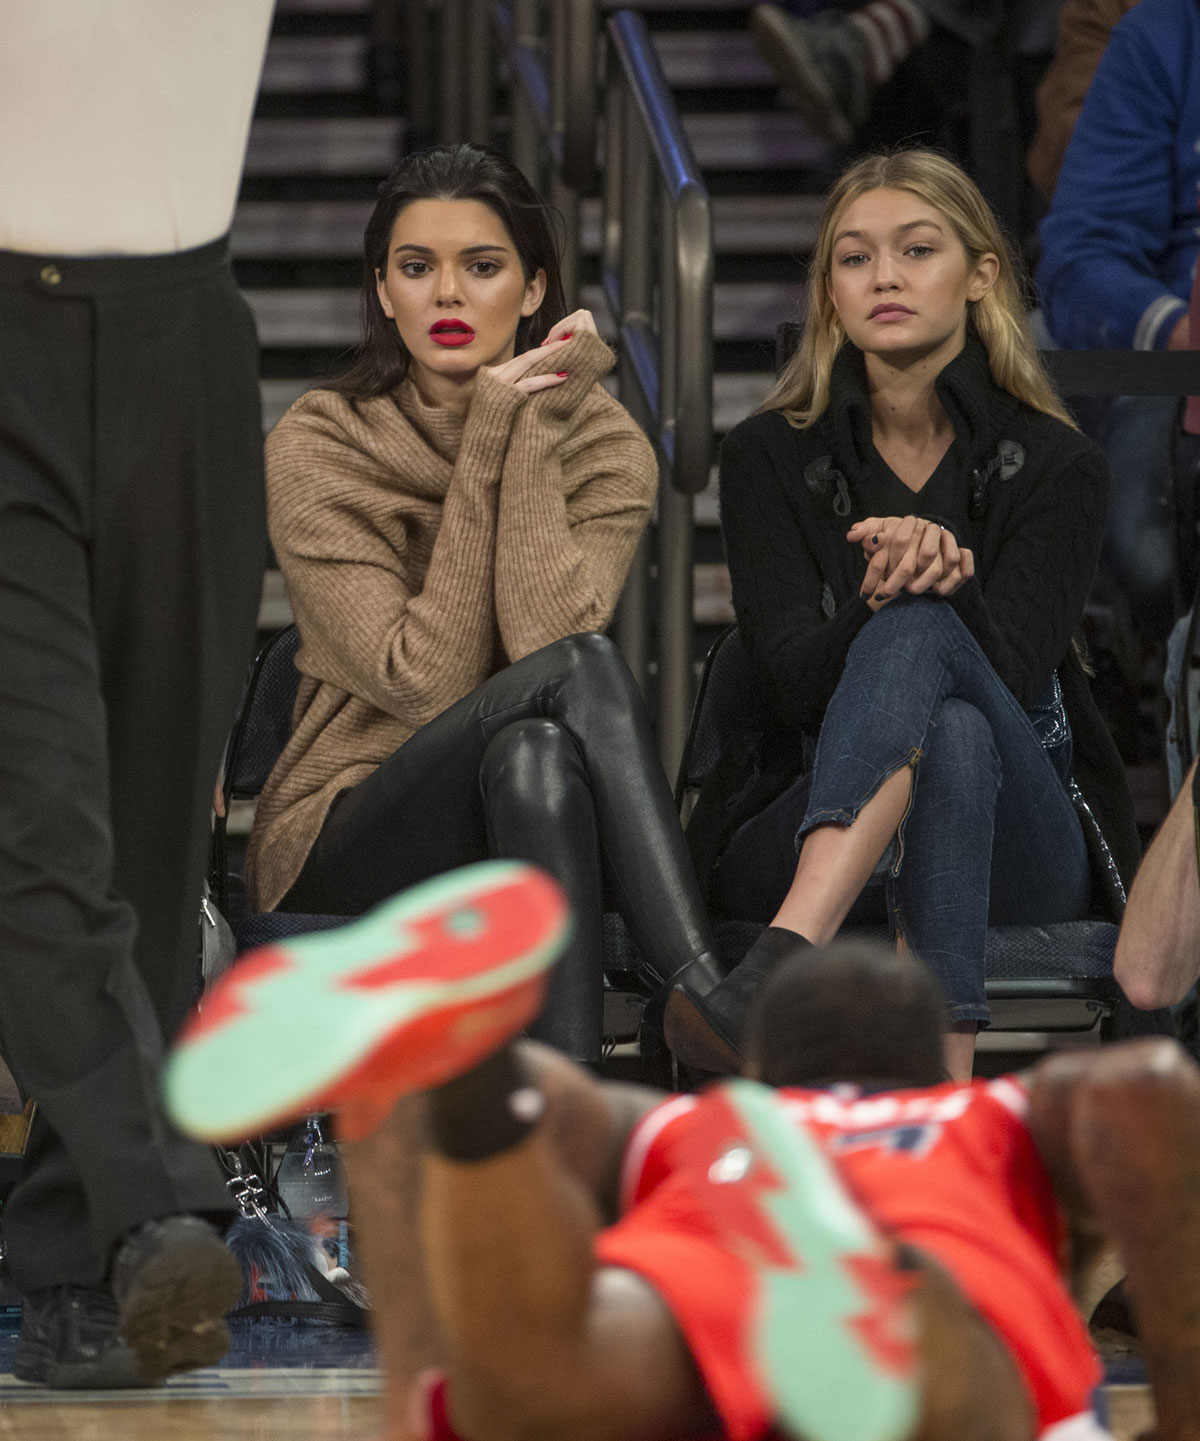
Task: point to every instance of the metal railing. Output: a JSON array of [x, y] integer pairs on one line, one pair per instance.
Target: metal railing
[[550, 47], [547, 51], [657, 265]]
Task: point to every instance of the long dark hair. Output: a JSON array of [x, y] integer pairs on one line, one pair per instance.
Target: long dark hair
[[450, 172]]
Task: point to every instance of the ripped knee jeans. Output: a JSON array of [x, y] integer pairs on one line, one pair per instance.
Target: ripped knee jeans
[[990, 834]]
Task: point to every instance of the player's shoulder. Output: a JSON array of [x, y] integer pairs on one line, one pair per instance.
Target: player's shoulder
[[648, 1151]]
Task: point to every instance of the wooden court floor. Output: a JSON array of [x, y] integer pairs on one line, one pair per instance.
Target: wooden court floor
[[325, 1418], [324, 1406], [303, 1383], [241, 1419], [279, 1383]]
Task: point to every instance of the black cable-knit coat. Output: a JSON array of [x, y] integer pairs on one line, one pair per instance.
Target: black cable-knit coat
[[1024, 491]]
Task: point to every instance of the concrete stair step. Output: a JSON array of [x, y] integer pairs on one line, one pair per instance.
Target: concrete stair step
[[754, 140], [693, 58], [303, 64], [298, 229], [766, 140], [356, 145], [314, 64], [672, 7], [331, 7]]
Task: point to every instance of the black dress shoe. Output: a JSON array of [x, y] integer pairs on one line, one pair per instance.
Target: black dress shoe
[[70, 1340], [174, 1281], [705, 1031]]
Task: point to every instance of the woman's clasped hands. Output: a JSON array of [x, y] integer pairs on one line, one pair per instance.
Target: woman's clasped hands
[[908, 553], [515, 371]]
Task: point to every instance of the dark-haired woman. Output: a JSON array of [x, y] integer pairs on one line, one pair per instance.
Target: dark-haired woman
[[454, 519]]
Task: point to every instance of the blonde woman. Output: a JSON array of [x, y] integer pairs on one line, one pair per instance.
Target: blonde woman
[[912, 522]]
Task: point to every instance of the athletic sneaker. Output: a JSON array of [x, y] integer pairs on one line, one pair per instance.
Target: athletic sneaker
[[833, 1337], [415, 992], [822, 64]]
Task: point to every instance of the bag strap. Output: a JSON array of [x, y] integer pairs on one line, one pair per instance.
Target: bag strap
[[1185, 722], [334, 1307]]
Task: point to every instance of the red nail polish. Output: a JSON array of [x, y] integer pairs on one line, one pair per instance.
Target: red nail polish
[[567, 336], [562, 374]]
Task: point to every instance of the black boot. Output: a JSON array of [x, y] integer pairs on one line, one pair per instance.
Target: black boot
[[697, 978], [539, 809], [704, 1029]]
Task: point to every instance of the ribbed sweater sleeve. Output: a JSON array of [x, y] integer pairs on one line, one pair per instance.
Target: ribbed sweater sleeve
[[578, 483], [777, 584], [407, 634]]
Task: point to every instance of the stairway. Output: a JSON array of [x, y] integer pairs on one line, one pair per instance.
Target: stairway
[[767, 177], [317, 152]]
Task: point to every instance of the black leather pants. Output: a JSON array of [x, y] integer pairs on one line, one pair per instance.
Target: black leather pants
[[551, 761]]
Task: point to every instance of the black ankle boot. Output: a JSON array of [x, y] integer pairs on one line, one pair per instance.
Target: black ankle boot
[[697, 978], [704, 1029]]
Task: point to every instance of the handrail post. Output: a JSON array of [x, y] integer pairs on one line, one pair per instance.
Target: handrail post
[[633, 257], [477, 111], [452, 41], [415, 64], [653, 191], [525, 146]]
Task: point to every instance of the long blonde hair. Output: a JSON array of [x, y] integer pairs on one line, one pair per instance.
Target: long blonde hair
[[802, 390]]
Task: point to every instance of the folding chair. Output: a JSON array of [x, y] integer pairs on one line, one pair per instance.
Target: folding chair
[[260, 732]]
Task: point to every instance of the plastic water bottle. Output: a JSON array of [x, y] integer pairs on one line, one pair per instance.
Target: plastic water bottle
[[311, 1183]]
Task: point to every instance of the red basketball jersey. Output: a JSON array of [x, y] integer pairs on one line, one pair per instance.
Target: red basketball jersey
[[951, 1169]]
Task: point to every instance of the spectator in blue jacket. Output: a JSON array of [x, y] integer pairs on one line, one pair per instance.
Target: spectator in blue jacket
[[1118, 250]]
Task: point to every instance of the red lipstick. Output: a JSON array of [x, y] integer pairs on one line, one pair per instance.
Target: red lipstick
[[451, 333]]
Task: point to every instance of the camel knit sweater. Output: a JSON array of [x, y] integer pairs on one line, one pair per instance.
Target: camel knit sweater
[[422, 552]]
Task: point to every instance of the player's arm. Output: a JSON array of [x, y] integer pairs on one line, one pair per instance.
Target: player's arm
[[1119, 1131], [589, 1121]]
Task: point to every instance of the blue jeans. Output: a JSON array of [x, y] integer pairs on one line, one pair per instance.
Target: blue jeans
[[990, 834]]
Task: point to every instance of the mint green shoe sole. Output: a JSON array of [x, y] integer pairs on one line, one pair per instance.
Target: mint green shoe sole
[[348, 1020], [835, 1338]]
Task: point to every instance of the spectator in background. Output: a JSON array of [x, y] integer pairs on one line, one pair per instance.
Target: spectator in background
[[1083, 30], [1118, 250], [1158, 950], [832, 64]]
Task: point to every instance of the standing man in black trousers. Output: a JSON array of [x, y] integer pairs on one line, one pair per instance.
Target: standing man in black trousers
[[131, 551]]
